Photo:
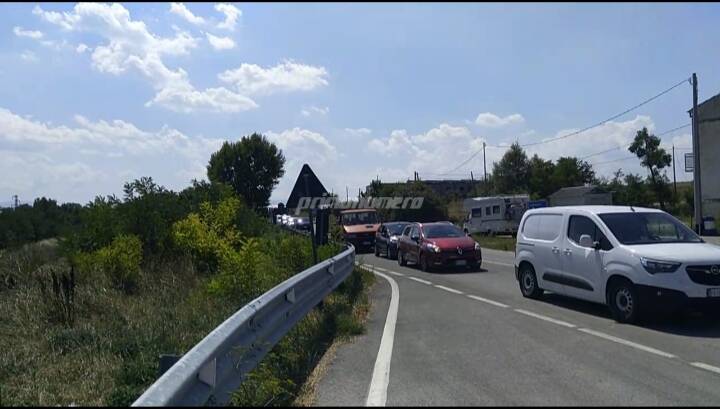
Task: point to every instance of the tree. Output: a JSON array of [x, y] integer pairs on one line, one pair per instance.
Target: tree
[[252, 166], [571, 171], [647, 147], [540, 182], [511, 173]]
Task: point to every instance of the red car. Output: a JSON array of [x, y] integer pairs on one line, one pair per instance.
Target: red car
[[440, 244]]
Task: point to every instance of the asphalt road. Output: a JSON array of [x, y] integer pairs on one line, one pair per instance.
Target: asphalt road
[[470, 338]]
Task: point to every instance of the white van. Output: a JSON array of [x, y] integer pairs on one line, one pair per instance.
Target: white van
[[630, 259]]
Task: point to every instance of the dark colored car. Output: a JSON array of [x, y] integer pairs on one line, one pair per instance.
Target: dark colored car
[[386, 238], [442, 244]]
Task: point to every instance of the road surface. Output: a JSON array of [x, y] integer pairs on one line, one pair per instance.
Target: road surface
[[470, 338]]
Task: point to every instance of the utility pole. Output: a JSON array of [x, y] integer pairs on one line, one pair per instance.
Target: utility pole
[[674, 179], [697, 189], [312, 225], [347, 194], [484, 164], [15, 201], [472, 179]]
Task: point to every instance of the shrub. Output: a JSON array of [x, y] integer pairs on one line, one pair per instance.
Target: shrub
[[57, 290], [119, 262]]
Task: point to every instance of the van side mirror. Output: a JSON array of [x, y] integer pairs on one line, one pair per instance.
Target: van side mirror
[[587, 241]]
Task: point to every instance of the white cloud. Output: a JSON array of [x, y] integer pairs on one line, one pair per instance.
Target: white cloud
[[130, 45], [81, 48], [231, 13], [491, 120], [28, 56], [252, 79], [302, 146], [358, 131], [314, 110], [38, 158], [34, 34], [181, 10], [220, 43]]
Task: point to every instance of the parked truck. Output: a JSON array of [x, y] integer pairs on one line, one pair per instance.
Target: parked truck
[[495, 214]]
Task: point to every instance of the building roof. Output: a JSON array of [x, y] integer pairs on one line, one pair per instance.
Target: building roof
[[576, 191]]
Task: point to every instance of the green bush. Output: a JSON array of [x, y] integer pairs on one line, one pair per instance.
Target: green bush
[[119, 262]]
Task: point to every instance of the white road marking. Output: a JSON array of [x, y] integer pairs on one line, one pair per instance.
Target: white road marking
[[485, 300], [380, 269], [396, 273], [498, 263], [545, 318], [452, 290], [377, 395], [419, 280], [626, 342], [706, 367]]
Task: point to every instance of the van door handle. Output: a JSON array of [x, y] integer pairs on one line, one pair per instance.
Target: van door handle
[[567, 252], [556, 250]]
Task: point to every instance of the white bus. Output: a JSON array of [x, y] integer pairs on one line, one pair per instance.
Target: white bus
[[494, 215]]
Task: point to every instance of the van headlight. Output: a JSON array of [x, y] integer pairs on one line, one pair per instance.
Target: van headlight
[[477, 246], [393, 239], [658, 266]]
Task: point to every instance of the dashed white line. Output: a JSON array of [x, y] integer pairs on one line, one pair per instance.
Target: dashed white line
[[419, 280], [626, 342], [485, 300], [545, 318], [706, 367], [377, 394], [452, 290], [395, 273]]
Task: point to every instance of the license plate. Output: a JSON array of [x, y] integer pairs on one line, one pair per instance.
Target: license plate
[[713, 292], [460, 262]]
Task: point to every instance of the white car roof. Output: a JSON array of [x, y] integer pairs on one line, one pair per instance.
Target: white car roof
[[595, 209]]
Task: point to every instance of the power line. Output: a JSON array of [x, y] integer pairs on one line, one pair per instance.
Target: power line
[[647, 101], [609, 119]]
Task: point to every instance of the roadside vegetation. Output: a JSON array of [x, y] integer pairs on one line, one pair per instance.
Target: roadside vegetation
[[85, 314]]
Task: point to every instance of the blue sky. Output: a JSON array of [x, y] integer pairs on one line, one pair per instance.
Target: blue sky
[[95, 95]]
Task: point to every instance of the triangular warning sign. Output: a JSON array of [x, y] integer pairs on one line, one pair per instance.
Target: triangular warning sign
[[314, 187]]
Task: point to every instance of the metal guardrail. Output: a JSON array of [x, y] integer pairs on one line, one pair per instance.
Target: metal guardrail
[[214, 368]]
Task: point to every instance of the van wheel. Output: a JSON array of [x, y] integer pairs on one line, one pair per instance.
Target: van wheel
[[623, 301], [401, 259], [528, 282]]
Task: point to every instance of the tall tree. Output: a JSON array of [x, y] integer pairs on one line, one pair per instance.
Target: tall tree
[[571, 171], [251, 166], [510, 175], [647, 147], [540, 182]]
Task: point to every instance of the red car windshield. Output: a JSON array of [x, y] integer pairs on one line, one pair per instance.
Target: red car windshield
[[442, 230]]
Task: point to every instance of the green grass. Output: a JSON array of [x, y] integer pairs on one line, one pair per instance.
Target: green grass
[[109, 355], [506, 243]]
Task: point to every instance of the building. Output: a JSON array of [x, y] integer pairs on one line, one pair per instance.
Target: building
[[709, 140], [580, 195], [443, 188]]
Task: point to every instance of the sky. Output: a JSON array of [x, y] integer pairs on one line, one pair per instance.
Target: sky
[[94, 95]]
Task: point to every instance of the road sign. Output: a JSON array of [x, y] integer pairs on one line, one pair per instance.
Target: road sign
[[689, 162]]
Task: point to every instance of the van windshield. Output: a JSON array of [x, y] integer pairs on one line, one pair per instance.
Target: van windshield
[[648, 228], [351, 219]]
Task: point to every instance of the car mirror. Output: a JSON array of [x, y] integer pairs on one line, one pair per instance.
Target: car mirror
[[587, 241]]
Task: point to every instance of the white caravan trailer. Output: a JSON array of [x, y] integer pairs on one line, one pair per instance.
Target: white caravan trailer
[[494, 215]]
